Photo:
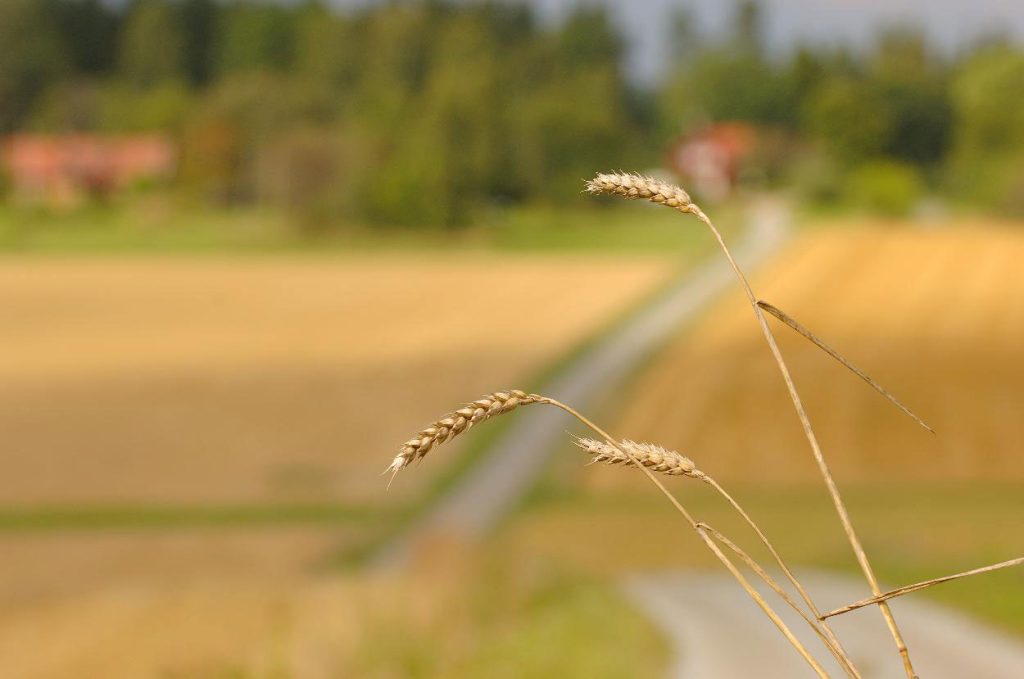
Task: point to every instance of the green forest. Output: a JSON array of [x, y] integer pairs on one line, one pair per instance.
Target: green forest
[[426, 113]]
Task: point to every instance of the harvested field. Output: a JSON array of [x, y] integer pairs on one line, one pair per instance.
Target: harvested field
[[936, 316], [190, 443], [174, 381]]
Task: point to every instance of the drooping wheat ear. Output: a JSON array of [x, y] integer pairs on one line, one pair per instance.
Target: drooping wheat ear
[[653, 457], [638, 187], [458, 421]]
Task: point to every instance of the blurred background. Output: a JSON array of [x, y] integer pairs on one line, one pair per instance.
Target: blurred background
[[248, 248]]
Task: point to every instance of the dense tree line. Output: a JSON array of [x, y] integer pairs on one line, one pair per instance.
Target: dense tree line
[[425, 112]]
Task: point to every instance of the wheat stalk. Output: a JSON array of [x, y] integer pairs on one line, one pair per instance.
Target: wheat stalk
[[672, 463], [456, 422], [787, 571], [637, 187], [821, 628], [653, 457]]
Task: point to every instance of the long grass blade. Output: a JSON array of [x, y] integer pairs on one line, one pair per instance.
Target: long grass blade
[[916, 587], [821, 344]]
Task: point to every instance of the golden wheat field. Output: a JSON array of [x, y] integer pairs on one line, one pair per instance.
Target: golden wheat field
[[935, 315], [178, 381]]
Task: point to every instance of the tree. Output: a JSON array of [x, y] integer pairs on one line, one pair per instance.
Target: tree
[[730, 80], [200, 25], [88, 30], [685, 39], [257, 37], [31, 58], [848, 116], [446, 158], [989, 103], [152, 46], [915, 90], [324, 47], [748, 28], [572, 115], [987, 162]]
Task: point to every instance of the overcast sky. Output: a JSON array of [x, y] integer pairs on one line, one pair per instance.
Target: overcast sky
[[952, 23]]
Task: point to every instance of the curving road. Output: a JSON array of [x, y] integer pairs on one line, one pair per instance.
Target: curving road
[[716, 631]]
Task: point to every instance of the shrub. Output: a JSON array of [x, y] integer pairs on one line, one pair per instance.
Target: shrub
[[885, 186]]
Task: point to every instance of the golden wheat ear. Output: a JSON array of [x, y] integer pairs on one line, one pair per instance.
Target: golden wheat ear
[[821, 344], [649, 455], [638, 187], [456, 422]]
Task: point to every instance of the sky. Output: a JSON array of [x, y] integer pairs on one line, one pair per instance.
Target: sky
[[952, 23]]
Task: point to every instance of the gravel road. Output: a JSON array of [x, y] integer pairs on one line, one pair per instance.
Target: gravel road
[[717, 632]]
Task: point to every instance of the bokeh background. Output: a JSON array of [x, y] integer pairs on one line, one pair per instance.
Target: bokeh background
[[247, 248]]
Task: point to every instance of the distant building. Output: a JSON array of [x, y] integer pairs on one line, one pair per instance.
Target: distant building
[[64, 169], [710, 160]]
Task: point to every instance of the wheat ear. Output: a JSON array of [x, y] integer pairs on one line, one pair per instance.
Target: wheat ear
[[456, 422], [653, 457], [639, 187], [626, 185]]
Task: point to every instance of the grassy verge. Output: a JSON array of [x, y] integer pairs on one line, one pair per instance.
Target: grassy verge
[[505, 620]]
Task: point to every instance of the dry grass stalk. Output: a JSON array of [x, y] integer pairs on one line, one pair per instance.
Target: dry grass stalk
[[653, 457], [672, 463], [709, 543], [616, 184], [456, 422], [811, 606], [916, 587], [816, 624], [817, 341]]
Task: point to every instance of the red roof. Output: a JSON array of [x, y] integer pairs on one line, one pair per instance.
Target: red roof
[[711, 157], [87, 162]]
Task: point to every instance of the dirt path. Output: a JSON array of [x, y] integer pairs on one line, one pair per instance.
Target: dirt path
[[716, 631], [491, 489]]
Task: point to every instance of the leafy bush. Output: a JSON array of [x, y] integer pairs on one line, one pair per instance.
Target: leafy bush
[[885, 186]]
